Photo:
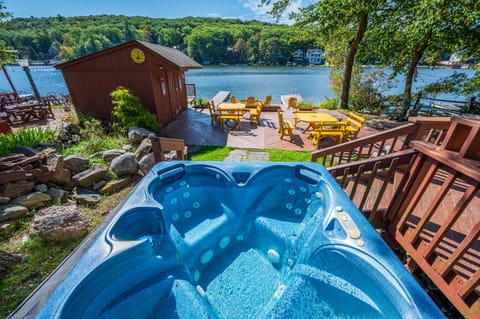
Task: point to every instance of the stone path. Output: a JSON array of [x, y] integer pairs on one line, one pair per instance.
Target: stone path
[[247, 156]]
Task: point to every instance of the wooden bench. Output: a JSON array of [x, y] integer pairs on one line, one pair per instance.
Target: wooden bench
[[285, 127], [335, 130], [235, 116], [356, 123], [160, 145]]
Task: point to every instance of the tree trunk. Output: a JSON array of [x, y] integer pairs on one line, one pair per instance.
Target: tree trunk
[[350, 59], [407, 92]]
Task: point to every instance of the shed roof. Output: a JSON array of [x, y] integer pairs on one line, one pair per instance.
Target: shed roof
[[172, 55]]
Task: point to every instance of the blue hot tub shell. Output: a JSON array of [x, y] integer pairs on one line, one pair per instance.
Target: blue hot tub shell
[[238, 240]]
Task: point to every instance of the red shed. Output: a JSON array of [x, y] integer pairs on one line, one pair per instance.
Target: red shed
[[154, 73]]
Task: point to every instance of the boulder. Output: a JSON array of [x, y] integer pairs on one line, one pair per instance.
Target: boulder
[[41, 188], [76, 163], [86, 196], [124, 164], [99, 184], [58, 195], [137, 134], [33, 200], [15, 189], [61, 176], [26, 150], [146, 163], [115, 185], [144, 148], [4, 200], [12, 212], [109, 155], [55, 162], [90, 176], [58, 223]]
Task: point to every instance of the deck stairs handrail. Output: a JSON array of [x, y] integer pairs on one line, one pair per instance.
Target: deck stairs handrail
[[419, 185]]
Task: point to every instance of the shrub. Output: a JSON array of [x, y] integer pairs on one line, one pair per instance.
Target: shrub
[[305, 103], [329, 103], [25, 137], [200, 102], [127, 112]]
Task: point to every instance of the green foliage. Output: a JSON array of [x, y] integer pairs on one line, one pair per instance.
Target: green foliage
[[25, 137], [19, 282], [288, 156], [329, 103], [305, 103], [127, 112], [201, 101], [94, 140]]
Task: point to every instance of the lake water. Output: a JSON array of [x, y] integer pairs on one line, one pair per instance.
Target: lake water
[[311, 83]]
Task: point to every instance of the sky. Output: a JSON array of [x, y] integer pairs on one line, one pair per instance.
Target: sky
[[240, 9]]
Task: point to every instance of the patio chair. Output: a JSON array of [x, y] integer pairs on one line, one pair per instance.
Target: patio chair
[[285, 127], [251, 102], [292, 102], [356, 123], [267, 101], [255, 113], [214, 115], [233, 99], [160, 145], [337, 131]]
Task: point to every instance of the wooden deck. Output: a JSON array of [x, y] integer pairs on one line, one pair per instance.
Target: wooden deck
[[194, 126]]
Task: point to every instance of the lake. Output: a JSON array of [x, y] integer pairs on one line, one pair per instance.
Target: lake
[[311, 83]]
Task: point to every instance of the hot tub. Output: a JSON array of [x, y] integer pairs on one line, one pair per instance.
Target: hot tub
[[238, 240]]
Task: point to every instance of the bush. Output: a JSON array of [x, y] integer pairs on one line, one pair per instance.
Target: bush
[[200, 102], [305, 103], [329, 103], [27, 137], [128, 112]]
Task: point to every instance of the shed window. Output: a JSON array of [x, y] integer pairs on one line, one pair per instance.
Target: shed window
[[164, 86]]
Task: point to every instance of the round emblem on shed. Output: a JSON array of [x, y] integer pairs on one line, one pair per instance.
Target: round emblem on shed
[[137, 56]]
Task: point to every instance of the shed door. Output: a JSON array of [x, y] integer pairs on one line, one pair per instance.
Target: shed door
[[166, 104]]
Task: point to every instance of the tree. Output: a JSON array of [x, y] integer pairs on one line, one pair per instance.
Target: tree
[[3, 15], [413, 29], [332, 17]]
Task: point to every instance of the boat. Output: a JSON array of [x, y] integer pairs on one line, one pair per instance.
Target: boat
[[235, 240]]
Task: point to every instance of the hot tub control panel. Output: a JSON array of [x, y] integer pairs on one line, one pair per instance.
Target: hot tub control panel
[[350, 227]]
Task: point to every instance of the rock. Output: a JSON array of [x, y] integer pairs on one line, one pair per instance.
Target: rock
[[90, 176], [73, 128], [7, 228], [62, 134], [33, 200], [127, 147], [48, 144], [61, 176], [27, 151], [146, 163], [87, 196], [143, 149], [109, 155], [8, 260], [12, 212], [137, 134], [15, 189], [76, 163], [58, 223], [41, 188], [55, 162], [124, 164], [99, 184], [58, 195], [4, 200], [115, 185]]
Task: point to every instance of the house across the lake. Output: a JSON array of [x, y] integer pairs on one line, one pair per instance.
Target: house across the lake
[[154, 73]]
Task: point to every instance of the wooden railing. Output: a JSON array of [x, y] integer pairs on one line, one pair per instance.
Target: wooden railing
[[424, 194], [431, 129]]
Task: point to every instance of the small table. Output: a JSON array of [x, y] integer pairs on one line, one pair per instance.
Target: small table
[[313, 118], [231, 112]]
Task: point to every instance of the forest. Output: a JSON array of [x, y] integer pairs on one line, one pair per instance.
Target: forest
[[207, 40]]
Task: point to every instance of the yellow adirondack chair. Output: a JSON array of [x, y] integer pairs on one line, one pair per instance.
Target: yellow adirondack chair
[[285, 127]]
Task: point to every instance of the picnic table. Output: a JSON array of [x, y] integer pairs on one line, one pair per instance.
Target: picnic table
[[231, 112], [313, 119], [24, 112]]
